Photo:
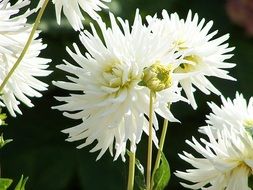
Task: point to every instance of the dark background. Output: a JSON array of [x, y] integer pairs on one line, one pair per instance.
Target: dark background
[[39, 149]]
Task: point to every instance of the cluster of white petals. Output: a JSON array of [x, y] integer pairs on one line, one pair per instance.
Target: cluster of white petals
[[107, 96], [14, 32], [228, 152], [111, 104], [203, 54], [227, 162], [234, 114], [72, 9]]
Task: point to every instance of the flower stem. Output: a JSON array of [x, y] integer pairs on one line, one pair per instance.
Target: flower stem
[[131, 171], [149, 156], [29, 41], [161, 144]]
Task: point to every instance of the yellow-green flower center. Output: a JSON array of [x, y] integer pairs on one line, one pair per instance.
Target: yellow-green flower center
[[117, 76], [248, 124], [112, 74], [157, 77], [180, 45], [193, 61]]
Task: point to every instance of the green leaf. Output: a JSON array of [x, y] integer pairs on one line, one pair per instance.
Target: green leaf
[[21, 183], [5, 183], [140, 176], [162, 174], [3, 116], [4, 142]]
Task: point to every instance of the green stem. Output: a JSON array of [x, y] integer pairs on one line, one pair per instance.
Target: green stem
[[149, 156], [161, 144], [131, 171], [29, 41]]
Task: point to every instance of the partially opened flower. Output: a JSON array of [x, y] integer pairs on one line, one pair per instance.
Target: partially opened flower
[[110, 102], [14, 32], [227, 162], [72, 9], [236, 114], [203, 55]]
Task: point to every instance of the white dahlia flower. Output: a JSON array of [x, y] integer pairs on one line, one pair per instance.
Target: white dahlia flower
[[203, 55], [111, 104], [72, 9], [227, 162], [236, 114], [14, 32]]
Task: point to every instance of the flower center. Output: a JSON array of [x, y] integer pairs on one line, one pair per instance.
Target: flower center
[[180, 45], [191, 64], [117, 76], [112, 75], [248, 125]]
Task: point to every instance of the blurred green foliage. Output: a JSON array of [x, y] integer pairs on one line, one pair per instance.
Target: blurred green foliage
[[39, 149], [5, 183]]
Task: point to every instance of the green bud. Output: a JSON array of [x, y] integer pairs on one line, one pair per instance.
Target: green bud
[[157, 77]]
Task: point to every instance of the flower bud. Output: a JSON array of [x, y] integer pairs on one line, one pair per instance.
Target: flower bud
[[157, 77]]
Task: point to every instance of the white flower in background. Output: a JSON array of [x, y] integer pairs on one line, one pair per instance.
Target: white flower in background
[[236, 114], [14, 32], [11, 24], [72, 9], [227, 162], [203, 55], [109, 100]]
